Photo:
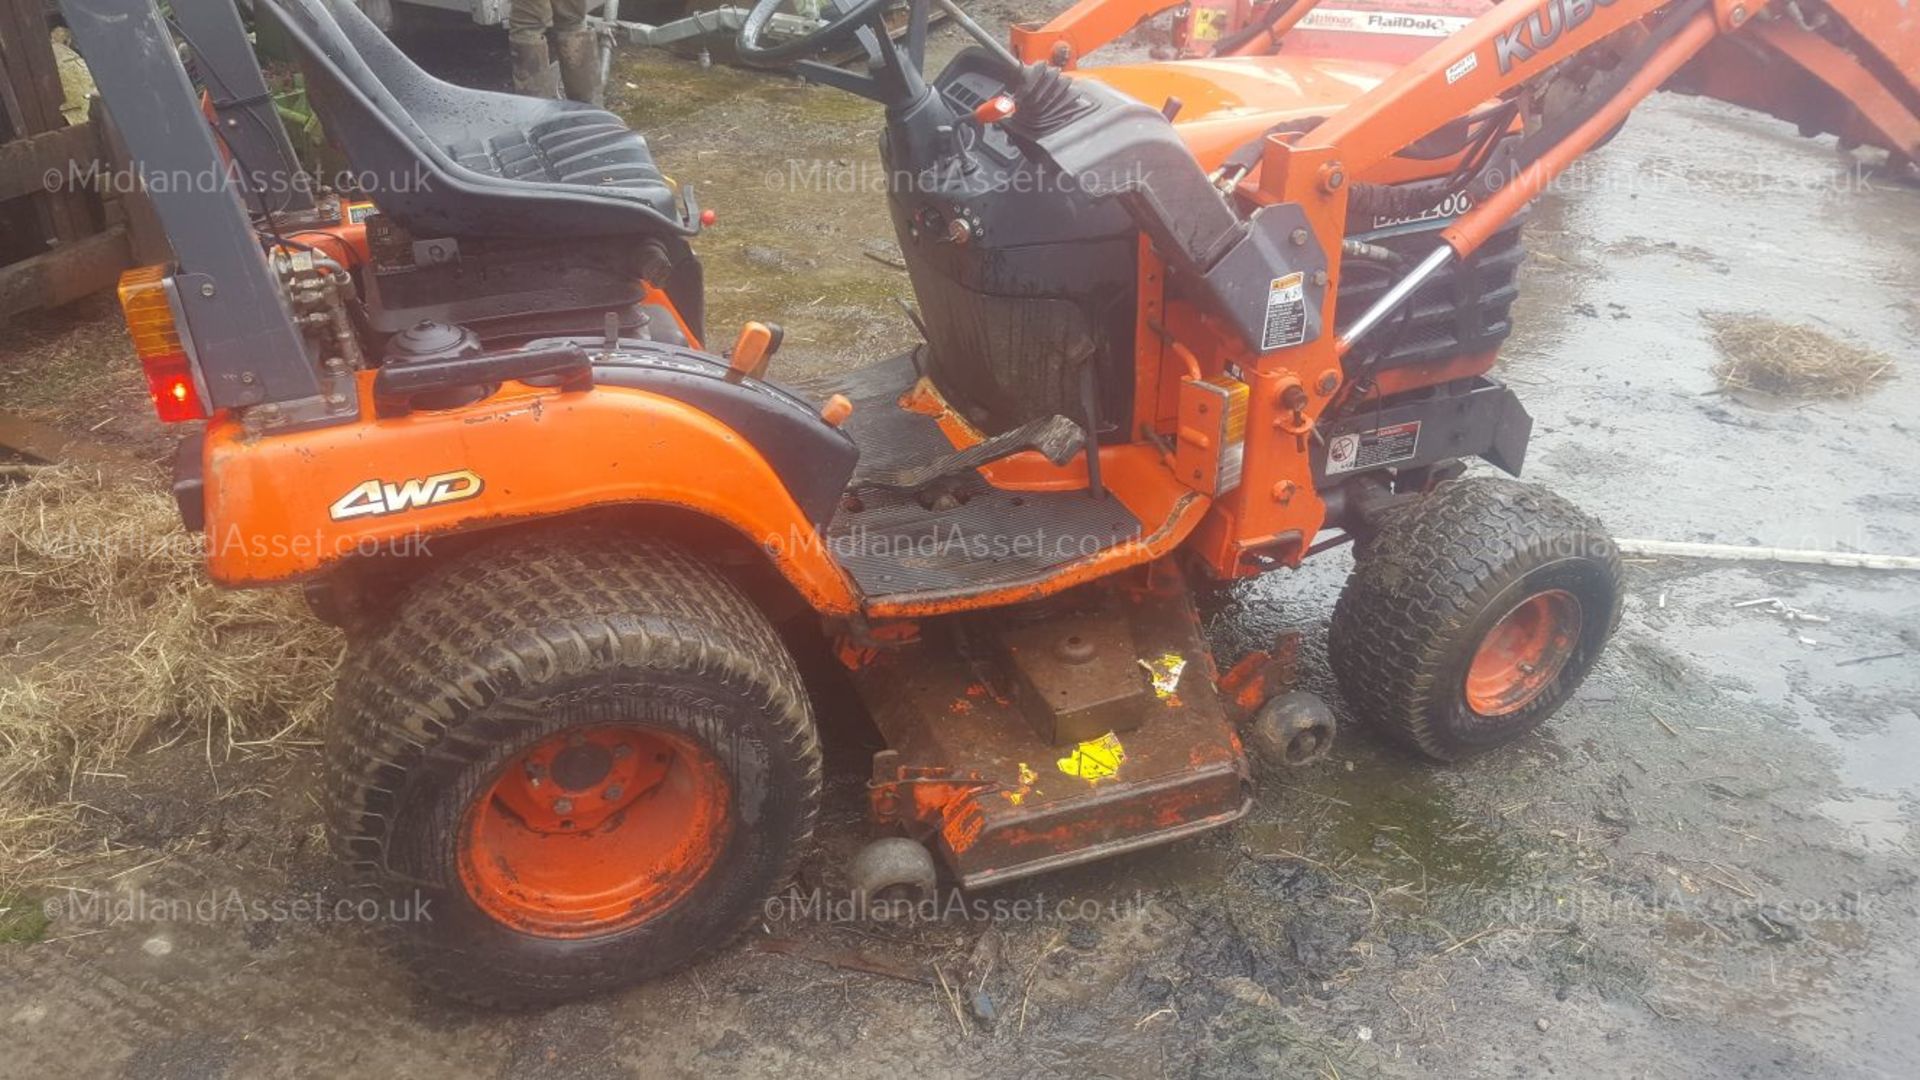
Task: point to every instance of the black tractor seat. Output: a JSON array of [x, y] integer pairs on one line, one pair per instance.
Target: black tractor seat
[[444, 160]]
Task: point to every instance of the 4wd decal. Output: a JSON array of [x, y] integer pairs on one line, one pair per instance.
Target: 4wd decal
[[1539, 30], [376, 498]]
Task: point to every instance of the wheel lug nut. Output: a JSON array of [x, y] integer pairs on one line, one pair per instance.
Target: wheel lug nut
[[563, 806], [622, 750], [613, 793]]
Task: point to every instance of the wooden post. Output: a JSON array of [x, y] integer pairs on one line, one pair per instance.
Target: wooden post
[[32, 101], [70, 250]]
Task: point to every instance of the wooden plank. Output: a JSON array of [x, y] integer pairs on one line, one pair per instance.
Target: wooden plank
[[25, 163], [42, 442], [64, 274], [13, 113], [26, 53], [29, 67]]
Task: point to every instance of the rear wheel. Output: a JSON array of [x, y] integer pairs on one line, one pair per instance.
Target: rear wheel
[[1472, 615], [589, 757]]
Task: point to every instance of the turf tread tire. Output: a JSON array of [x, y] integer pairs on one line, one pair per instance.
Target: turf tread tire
[[1422, 592], [467, 669]]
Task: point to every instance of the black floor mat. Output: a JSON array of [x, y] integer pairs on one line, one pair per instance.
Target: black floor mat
[[983, 538]]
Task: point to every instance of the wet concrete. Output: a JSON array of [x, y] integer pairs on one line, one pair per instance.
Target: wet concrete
[[1705, 866]]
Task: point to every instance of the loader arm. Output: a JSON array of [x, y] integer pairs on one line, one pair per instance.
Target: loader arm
[[1867, 55], [1595, 60], [1649, 42]]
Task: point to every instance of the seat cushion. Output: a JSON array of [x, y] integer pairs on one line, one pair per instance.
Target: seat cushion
[[588, 147], [474, 162]]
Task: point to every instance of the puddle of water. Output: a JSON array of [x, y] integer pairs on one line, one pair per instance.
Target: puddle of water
[[1808, 674], [1394, 818], [1876, 825], [1641, 240]]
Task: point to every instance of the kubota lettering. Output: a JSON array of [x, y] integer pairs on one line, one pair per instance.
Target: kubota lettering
[[1523, 40]]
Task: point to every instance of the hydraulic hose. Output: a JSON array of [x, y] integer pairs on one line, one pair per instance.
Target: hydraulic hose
[[1271, 15]]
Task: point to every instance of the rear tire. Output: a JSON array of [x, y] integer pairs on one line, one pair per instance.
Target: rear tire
[[528, 677], [1472, 614]]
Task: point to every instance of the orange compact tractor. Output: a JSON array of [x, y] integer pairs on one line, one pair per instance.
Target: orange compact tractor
[[1182, 322]]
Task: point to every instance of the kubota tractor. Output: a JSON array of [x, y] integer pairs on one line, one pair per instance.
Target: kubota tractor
[[1187, 321]]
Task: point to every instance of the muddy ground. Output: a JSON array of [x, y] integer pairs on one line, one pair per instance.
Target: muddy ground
[[1706, 866]]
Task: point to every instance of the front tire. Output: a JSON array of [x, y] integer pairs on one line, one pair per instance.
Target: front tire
[[1472, 614], [588, 757]]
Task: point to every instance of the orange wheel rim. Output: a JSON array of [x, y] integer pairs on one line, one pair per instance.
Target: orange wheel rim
[[1523, 654], [594, 830]]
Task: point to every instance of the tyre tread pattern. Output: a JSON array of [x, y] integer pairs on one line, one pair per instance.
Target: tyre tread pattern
[[1423, 577], [513, 617]]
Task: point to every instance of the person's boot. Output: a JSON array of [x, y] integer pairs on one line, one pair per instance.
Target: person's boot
[[532, 69], [580, 64]]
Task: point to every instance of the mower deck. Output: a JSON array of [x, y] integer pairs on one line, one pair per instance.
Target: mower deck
[[962, 535], [1050, 735]]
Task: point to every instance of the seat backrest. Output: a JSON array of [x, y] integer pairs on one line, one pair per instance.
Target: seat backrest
[[395, 122]]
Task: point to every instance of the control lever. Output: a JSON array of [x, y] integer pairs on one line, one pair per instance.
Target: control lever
[[1057, 438], [753, 350], [991, 111]]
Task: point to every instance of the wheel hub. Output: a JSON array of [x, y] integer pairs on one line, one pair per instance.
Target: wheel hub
[[593, 830], [1524, 653], [579, 767]]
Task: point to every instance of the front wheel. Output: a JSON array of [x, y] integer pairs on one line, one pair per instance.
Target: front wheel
[[584, 759], [1474, 613]]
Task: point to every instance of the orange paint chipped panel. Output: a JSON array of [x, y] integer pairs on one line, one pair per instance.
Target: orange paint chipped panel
[[961, 830]]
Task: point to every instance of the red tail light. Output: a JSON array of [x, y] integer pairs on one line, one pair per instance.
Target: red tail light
[[156, 338]]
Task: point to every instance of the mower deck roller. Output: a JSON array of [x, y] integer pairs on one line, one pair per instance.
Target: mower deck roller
[[1181, 321]]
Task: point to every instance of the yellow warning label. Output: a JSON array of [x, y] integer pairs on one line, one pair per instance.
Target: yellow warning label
[[1165, 672], [1095, 759]]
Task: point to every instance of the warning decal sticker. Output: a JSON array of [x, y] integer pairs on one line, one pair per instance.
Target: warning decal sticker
[[1463, 67], [1165, 673], [1095, 759], [1286, 313], [1371, 449]]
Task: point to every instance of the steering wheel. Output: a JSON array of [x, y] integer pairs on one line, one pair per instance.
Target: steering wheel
[[849, 18]]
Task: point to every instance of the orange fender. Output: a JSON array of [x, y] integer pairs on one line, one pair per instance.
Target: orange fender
[[288, 506]]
